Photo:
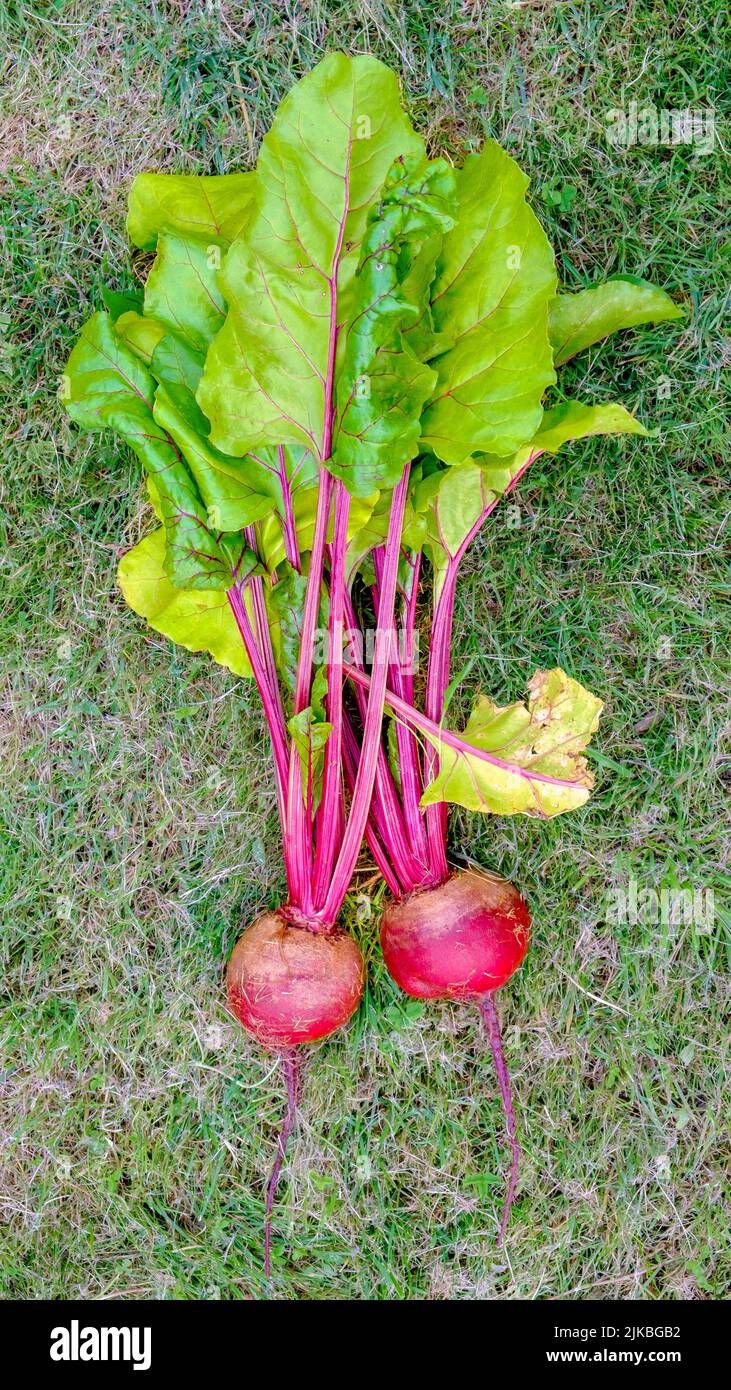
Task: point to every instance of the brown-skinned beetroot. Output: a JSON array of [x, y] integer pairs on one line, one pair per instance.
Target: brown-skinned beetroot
[[465, 937], [288, 984]]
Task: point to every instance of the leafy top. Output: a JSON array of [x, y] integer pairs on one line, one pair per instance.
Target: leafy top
[[288, 279]]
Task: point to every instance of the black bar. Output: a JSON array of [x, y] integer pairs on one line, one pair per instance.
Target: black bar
[[101, 1339]]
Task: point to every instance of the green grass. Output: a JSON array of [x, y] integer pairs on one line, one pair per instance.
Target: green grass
[[138, 1124]]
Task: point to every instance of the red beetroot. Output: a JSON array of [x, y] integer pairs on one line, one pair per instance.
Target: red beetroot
[[463, 939], [288, 983]]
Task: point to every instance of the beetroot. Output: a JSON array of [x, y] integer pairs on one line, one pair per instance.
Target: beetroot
[[291, 981], [289, 984], [463, 939]]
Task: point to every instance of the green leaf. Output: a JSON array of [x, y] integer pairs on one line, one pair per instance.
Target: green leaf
[[455, 683], [495, 276], [575, 321], [196, 557], [521, 759], [454, 501], [421, 334], [140, 334], [201, 621], [177, 364], [232, 490], [382, 385], [457, 506], [561, 196], [213, 207], [235, 492], [182, 289], [572, 420], [392, 751], [288, 278], [561, 425], [118, 302], [108, 387], [310, 735]]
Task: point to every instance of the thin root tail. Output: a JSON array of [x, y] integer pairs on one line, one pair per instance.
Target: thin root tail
[[492, 1028], [291, 1073]]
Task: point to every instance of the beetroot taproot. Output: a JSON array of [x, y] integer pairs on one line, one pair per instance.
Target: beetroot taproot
[[463, 939], [290, 981]]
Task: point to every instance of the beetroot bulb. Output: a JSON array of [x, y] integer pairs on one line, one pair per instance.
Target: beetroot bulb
[[463, 939], [288, 983]]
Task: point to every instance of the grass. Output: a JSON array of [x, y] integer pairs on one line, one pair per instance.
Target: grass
[[139, 831]]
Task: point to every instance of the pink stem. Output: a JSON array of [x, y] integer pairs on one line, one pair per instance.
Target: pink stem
[[272, 705], [385, 804], [289, 529], [486, 1005], [256, 589], [365, 778], [409, 626], [327, 819], [409, 764], [297, 832], [298, 826], [377, 558], [351, 755], [386, 818], [437, 681], [438, 673], [313, 592], [290, 1068]]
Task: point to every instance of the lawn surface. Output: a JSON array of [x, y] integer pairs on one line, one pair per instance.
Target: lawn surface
[[139, 833]]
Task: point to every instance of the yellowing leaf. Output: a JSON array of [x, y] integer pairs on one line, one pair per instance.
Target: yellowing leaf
[[520, 759], [200, 620]]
